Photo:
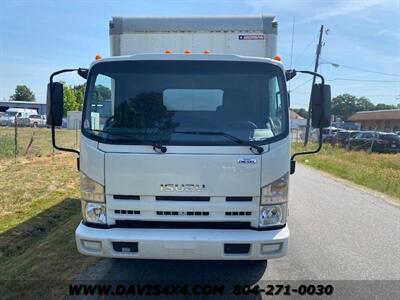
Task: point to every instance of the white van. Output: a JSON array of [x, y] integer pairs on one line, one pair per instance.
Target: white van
[[22, 114]]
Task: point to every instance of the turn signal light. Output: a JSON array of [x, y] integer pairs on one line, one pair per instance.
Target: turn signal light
[[277, 57], [98, 56]]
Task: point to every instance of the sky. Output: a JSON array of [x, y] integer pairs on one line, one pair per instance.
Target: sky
[[360, 56]]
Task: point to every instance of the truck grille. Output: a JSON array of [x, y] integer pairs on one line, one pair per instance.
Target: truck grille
[[126, 197], [126, 212], [238, 213], [183, 225], [182, 198], [183, 213], [234, 199], [185, 209]]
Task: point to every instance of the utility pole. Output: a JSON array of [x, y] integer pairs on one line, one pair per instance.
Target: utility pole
[[318, 53]]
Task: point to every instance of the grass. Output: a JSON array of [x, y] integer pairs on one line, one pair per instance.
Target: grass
[[41, 144], [380, 172], [6, 146], [39, 211]]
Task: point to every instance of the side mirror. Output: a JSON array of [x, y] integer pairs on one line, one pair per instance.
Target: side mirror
[[55, 103], [321, 105]]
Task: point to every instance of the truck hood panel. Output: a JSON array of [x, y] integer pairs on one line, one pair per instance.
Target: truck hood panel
[[217, 175]]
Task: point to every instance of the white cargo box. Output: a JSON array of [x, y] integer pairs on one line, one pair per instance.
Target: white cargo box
[[248, 36]]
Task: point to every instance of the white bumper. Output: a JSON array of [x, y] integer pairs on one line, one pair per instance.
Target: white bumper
[[188, 244]]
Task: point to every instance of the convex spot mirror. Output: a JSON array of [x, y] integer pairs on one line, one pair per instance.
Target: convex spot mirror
[[321, 105], [55, 103]]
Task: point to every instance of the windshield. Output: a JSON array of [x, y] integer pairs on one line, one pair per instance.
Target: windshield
[[185, 102]]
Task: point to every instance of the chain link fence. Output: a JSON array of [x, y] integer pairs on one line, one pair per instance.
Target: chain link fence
[[19, 141]]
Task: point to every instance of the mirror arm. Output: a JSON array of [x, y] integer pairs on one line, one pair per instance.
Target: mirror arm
[[312, 73], [59, 72], [292, 159], [311, 151], [53, 129]]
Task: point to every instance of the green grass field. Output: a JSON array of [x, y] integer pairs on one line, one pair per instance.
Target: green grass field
[[41, 142], [39, 211], [380, 172]]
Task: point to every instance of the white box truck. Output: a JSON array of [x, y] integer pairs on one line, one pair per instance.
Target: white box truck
[[185, 148]]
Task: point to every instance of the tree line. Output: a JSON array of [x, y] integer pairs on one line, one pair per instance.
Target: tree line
[[73, 96], [344, 106]]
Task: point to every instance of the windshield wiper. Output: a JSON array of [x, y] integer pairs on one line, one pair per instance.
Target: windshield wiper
[[237, 140], [157, 147]]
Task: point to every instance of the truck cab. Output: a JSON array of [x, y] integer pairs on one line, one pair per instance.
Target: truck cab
[[183, 155]]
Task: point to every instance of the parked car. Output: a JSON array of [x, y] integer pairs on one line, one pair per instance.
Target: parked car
[[342, 137], [8, 119], [37, 121], [375, 142], [330, 138], [3, 119], [329, 132]]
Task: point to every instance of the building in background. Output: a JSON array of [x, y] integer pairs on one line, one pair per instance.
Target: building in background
[[381, 120], [40, 107], [74, 119], [296, 121]]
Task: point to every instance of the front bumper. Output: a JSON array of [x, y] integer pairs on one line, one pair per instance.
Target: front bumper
[[188, 244]]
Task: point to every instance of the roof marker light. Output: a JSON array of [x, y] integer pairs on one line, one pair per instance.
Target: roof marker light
[[187, 52], [98, 57], [167, 52], [206, 52], [277, 57]]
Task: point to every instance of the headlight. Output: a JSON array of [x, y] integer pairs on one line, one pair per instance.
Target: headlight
[[276, 192], [94, 212], [273, 202], [272, 215], [91, 190]]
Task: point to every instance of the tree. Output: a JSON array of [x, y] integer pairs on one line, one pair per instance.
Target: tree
[[345, 105], [79, 91], [382, 106], [70, 103], [301, 112], [100, 93], [23, 93], [363, 104], [73, 97]]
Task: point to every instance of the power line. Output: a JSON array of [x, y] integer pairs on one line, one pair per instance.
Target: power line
[[300, 85], [362, 70], [305, 48], [367, 80], [291, 50], [366, 95]]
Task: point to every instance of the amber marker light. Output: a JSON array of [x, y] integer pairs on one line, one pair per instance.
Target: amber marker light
[[277, 57]]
